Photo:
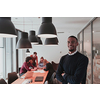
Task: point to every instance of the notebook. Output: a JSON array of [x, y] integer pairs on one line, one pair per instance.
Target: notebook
[[39, 79]]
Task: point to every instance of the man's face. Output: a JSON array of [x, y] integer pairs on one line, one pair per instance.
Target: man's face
[[31, 61], [34, 55], [41, 60], [72, 44]]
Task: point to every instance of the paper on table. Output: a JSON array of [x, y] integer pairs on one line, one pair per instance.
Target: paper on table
[[40, 71], [22, 77]]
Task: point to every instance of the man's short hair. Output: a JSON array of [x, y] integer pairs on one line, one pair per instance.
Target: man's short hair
[[41, 58], [34, 52], [28, 58], [73, 37]]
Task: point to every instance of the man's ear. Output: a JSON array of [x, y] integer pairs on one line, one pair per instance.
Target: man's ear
[[77, 43]]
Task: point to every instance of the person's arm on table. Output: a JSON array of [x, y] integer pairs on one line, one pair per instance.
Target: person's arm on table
[[32, 66], [43, 67], [26, 67], [34, 69], [79, 74]]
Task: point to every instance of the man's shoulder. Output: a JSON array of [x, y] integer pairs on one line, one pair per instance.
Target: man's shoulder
[[82, 55], [49, 63], [24, 63], [31, 55], [64, 56]]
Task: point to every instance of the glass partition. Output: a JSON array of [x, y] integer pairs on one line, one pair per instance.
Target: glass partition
[[80, 42], [87, 51], [96, 51]]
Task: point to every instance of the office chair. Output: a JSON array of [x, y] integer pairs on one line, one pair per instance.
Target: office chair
[[2, 81], [52, 78], [12, 77]]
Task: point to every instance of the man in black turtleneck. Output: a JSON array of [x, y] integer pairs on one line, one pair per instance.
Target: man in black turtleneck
[[74, 65]]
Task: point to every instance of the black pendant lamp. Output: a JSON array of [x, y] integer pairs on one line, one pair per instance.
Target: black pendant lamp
[[39, 41], [7, 28], [23, 42], [27, 51], [47, 29], [32, 38], [51, 41]]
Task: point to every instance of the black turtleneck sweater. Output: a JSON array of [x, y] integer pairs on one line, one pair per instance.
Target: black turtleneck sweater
[[74, 67]]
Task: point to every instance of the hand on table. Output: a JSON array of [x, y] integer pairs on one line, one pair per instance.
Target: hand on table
[[38, 67], [43, 67], [34, 69]]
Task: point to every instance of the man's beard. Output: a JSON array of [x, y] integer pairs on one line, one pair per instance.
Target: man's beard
[[71, 50]]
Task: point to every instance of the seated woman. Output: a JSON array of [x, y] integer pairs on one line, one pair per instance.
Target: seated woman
[[48, 68], [41, 63], [26, 65]]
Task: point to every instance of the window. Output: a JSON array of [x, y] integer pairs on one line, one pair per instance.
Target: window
[[8, 56], [1, 57]]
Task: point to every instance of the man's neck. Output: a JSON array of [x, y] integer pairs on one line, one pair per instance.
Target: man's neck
[[72, 53]]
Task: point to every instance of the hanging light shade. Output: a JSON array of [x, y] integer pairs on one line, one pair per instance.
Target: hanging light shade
[[39, 41], [32, 38], [7, 28], [27, 51], [47, 29], [51, 41], [23, 42]]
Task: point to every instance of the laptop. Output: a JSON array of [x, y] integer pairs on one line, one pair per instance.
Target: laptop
[[39, 79]]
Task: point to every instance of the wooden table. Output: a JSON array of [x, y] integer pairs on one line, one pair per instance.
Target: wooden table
[[35, 74]]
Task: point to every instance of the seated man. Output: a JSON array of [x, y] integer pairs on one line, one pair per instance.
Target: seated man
[[26, 65]]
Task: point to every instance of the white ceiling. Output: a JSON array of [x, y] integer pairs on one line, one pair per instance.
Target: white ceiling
[[67, 25]]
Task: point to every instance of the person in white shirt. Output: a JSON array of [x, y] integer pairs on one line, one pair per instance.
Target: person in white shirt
[[41, 65]]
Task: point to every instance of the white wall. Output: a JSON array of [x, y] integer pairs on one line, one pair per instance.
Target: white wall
[[22, 56], [51, 53]]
